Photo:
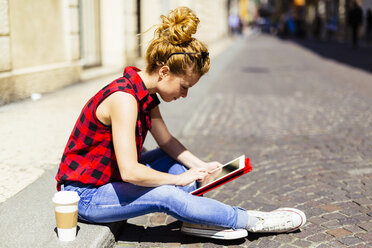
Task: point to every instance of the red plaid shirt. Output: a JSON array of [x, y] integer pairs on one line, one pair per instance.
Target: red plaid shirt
[[89, 156]]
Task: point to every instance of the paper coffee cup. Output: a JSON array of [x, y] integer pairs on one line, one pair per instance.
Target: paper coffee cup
[[66, 210]]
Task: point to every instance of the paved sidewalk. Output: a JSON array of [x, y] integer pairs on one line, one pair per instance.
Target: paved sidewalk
[[305, 121]]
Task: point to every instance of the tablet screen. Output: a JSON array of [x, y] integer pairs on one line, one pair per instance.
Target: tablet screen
[[218, 173]]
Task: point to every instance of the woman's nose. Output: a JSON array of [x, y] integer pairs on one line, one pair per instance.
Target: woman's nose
[[184, 93]]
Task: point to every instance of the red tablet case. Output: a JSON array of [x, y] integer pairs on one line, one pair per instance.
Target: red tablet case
[[247, 168]]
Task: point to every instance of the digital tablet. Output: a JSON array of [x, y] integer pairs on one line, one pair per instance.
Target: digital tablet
[[229, 171]]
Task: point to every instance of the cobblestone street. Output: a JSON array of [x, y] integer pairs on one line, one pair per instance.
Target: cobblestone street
[[305, 120]]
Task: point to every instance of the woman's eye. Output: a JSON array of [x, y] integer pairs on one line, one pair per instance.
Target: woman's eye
[[184, 88]]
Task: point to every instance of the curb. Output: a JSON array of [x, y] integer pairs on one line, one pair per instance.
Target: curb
[[27, 220]]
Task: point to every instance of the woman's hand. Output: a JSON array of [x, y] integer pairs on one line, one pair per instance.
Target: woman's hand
[[205, 174], [214, 169], [191, 175], [212, 166]]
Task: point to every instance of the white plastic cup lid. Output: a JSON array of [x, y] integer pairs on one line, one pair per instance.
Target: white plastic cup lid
[[66, 197]]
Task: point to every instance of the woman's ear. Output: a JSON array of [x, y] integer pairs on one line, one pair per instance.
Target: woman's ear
[[164, 71]]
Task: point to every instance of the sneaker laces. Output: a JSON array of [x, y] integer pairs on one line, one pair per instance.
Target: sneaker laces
[[270, 222]]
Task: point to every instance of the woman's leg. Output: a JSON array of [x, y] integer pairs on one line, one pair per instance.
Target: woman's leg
[[160, 161], [118, 201], [157, 159]]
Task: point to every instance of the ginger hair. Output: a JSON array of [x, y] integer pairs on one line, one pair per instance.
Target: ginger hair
[[174, 35]]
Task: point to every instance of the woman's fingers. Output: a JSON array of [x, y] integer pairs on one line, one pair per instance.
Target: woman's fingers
[[213, 166], [192, 175], [201, 173]]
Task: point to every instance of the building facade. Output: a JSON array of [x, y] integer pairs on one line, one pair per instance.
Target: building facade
[[48, 44]]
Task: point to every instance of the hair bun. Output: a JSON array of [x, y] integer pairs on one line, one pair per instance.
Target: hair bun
[[179, 25]]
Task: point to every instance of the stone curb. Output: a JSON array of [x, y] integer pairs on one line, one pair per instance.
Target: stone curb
[[27, 220]]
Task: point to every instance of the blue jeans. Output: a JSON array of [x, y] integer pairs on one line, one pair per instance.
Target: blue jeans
[[120, 200]]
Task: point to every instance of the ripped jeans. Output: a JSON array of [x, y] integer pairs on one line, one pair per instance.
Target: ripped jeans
[[118, 201]]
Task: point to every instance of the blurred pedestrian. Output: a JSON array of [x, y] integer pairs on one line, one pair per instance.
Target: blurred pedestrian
[[369, 26], [317, 26], [234, 24], [291, 24], [282, 26], [355, 20], [103, 160], [331, 27], [240, 26]]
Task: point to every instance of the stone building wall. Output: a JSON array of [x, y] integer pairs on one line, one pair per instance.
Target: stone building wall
[[38, 50], [47, 44]]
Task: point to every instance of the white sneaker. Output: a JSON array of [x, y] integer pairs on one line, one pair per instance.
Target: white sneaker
[[278, 221], [213, 232]]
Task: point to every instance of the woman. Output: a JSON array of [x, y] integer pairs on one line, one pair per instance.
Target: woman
[[103, 159]]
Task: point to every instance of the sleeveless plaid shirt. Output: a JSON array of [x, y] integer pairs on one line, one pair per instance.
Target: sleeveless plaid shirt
[[89, 155]]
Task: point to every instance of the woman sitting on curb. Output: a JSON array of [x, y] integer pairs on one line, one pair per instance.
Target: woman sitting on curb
[[103, 162]]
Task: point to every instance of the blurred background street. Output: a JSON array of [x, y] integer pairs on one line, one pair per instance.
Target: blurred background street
[[289, 87]]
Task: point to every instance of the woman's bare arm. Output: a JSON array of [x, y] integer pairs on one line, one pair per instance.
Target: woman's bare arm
[[172, 146], [122, 109]]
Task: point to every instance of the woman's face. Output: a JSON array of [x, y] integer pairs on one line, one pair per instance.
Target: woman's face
[[171, 86]]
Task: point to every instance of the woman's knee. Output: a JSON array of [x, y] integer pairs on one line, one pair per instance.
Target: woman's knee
[[177, 169], [164, 191], [169, 196]]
